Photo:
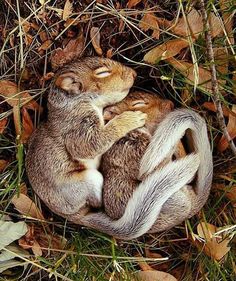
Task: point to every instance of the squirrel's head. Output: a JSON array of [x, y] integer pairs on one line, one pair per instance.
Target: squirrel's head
[[99, 77], [155, 107]]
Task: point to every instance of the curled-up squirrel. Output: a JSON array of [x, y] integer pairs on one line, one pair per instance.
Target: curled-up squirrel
[[125, 193], [121, 163], [64, 152]]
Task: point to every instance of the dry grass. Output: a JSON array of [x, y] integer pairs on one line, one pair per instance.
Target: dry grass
[[90, 255]]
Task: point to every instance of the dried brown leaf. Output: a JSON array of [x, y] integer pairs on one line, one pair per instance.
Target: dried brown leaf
[[73, 49], [95, 39], [17, 121], [27, 125], [221, 57], [46, 45], [150, 21], [3, 124], [187, 69], [231, 128], [43, 36], [165, 50], [68, 9], [133, 3], [211, 106], [228, 17], [214, 247], [192, 25], [155, 276], [3, 164], [13, 96], [26, 206]]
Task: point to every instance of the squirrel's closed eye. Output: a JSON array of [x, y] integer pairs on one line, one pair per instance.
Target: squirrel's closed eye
[[139, 103], [102, 72]]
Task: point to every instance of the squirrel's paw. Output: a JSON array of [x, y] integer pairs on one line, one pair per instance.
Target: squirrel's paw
[[130, 120]]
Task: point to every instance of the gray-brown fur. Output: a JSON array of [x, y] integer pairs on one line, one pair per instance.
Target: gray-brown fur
[[121, 164], [64, 153]]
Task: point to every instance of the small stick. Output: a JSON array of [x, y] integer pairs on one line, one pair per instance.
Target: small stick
[[215, 86]]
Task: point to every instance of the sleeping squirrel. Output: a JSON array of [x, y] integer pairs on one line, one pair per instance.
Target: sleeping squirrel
[[64, 153], [120, 164]]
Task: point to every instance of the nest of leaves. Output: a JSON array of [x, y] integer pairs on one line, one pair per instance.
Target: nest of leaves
[[165, 43]]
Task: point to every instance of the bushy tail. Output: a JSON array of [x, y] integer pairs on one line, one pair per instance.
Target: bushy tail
[[163, 144], [144, 206]]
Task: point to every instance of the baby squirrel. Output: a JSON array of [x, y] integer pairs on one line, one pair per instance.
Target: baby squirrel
[[120, 164], [64, 153], [151, 203]]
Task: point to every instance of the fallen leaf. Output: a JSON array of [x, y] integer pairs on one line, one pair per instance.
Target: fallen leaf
[[17, 120], [165, 50], [68, 9], [95, 39], [221, 58], [10, 231], [211, 106], [43, 36], [10, 264], [133, 3], [230, 192], [27, 126], [187, 69], [155, 276], [231, 128], [215, 25], [73, 49], [3, 124], [3, 164], [25, 206], [109, 54], [14, 250], [14, 97], [190, 25], [46, 45], [150, 21], [228, 17], [215, 247], [38, 241]]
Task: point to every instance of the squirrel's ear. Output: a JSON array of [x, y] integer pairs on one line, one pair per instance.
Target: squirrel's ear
[[69, 82]]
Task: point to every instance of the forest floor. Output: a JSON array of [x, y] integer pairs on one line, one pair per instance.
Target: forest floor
[[165, 43]]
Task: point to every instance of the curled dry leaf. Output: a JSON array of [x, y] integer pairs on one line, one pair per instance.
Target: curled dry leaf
[[133, 3], [150, 21], [68, 9], [74, 49], [154, 275], [3, 124], [14, 97], [187, 69], [95, 39], [3, 164], [215, 247], [27, 125], [211, 106], [231, 128], [191, 24], [228, 18], [41, 241], [165, 50], [26, 206], [46, 45]]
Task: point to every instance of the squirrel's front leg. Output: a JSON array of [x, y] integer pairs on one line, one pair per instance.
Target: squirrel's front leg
[[98, 139]]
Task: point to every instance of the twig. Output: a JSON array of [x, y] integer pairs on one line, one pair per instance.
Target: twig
[[215, 86]]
